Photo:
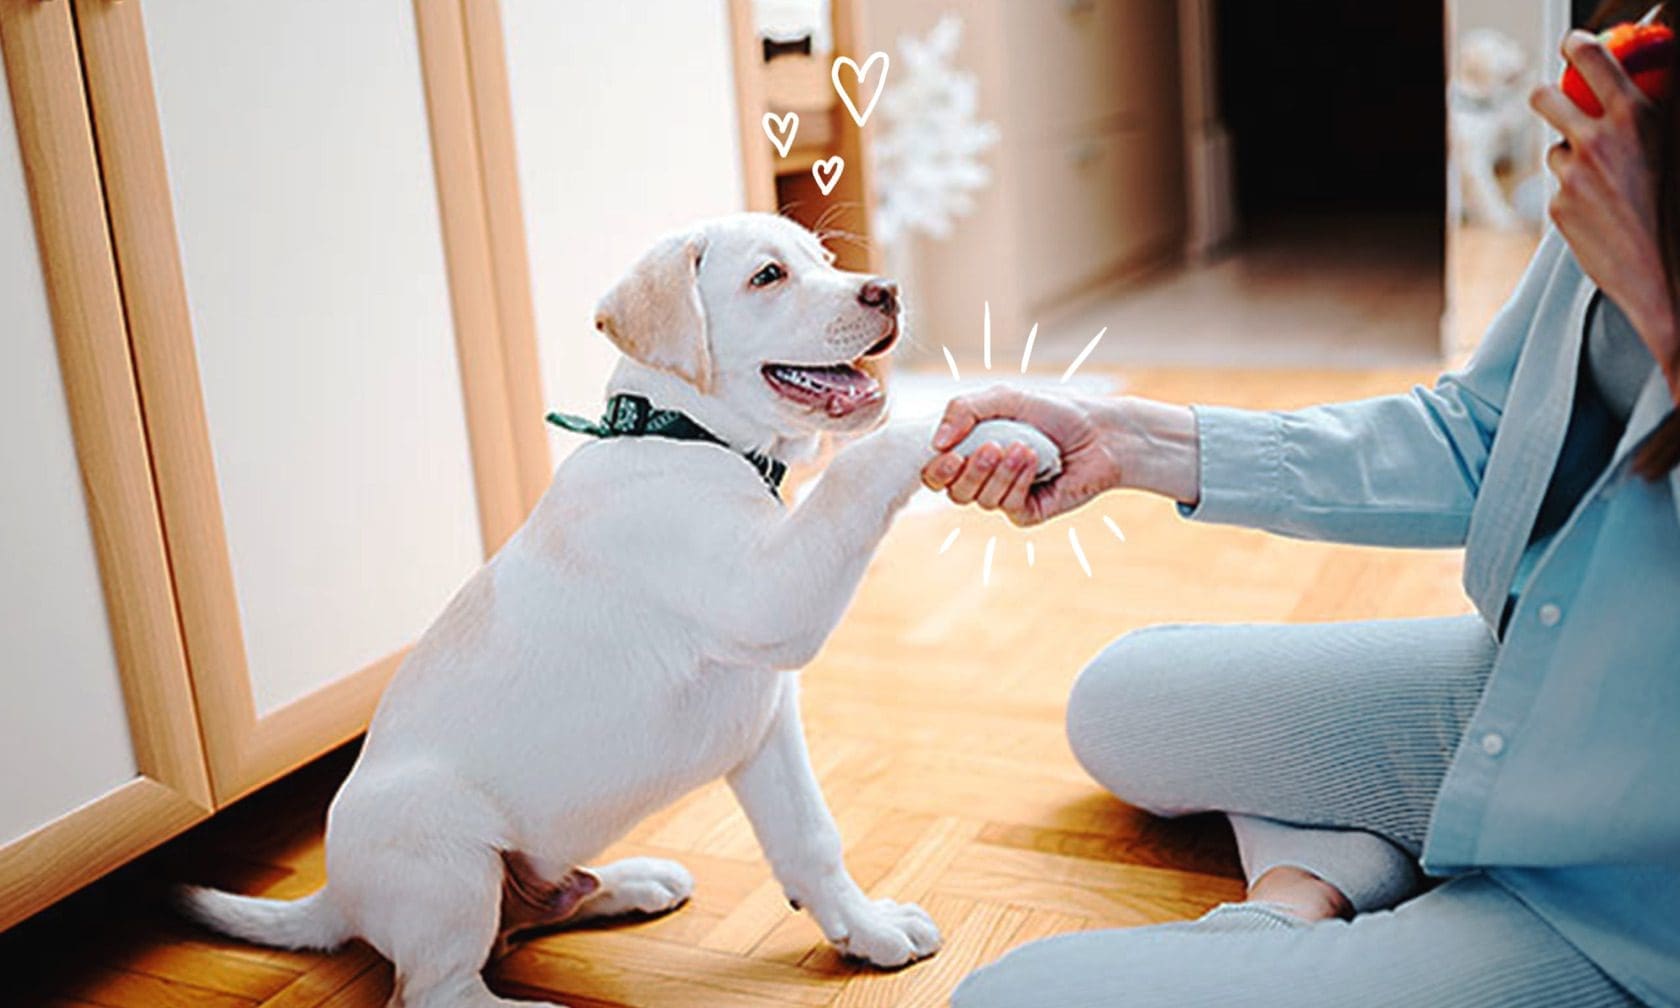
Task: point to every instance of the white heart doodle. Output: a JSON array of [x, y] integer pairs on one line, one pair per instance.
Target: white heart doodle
[[862, 76], [832, 167], [781, 129]]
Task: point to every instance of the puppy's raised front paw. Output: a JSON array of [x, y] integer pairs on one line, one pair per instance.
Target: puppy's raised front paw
[[888, 934]]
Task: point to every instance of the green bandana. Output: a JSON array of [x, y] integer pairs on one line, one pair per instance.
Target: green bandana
[[633, 416]]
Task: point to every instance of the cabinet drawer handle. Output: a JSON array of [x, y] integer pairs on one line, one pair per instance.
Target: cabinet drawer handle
[[1074, 8], [1085, 155]]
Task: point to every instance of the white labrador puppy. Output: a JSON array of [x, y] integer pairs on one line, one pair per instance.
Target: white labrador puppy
[[627, 644]]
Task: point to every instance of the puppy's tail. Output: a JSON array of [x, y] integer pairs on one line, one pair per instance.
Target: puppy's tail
[[308, 923]]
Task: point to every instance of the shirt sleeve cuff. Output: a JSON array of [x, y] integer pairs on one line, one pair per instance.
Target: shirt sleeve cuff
[[1241, 462]]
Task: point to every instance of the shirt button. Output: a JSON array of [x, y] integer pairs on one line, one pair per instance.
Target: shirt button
[[1550, 615], [1493, 743]]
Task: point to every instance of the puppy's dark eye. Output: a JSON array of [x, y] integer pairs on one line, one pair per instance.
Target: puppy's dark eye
[[768, 275]]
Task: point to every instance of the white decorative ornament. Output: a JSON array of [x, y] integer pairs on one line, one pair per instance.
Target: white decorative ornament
[[827, 173], [781, 129], [925, 159], [862, 76]]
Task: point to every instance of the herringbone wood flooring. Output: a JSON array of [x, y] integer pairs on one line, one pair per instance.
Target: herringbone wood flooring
[[935, 722]]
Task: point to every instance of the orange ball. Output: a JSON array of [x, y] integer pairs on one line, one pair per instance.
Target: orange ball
[[1645, 52]]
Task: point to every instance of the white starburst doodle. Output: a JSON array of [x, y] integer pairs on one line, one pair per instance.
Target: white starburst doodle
[[990, 549]]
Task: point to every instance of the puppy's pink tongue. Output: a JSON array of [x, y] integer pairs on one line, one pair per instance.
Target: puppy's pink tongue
[[844, 390]]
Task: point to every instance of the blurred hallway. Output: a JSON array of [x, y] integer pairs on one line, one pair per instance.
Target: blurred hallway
[[1343, 290]]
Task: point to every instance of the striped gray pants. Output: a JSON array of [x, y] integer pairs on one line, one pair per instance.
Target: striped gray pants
[[1341, 731]]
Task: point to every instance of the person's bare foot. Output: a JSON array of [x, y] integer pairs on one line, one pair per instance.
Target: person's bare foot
[[1302, 893]]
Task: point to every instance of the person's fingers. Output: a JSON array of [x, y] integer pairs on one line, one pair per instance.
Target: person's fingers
[[938, 474], [963, 412], [975, 473], [1014, 503], [1016, 466], [1038, 507], [1599, 69], [1558, 157], [1564, 115], [958, 420]]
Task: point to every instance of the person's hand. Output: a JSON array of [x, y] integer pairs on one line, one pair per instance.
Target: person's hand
[[1002, 480], [1606, 203]]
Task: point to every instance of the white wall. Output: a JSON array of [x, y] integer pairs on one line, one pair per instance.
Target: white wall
[[624, 116]]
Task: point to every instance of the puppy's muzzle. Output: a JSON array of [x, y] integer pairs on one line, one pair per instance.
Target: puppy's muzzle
[[881, 295]]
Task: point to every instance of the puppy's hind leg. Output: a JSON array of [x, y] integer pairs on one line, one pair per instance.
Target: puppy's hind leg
[[538, 899], [441, 922], [639, 885], [428, 894]]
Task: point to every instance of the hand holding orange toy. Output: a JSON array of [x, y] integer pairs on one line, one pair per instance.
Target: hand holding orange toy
[[1645, 52], [1609, 111]]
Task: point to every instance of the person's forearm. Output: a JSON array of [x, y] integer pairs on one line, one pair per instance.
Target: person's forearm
[[1155, 445]]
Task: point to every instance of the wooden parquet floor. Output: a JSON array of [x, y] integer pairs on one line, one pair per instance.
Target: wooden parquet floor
[[935, 722]]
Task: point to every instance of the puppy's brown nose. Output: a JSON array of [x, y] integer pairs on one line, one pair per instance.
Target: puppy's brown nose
[[879, 294]]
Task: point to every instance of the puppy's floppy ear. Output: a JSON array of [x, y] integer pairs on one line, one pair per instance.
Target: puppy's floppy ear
[[654, 313]]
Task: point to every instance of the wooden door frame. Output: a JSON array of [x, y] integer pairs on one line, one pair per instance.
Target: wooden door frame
[[172, 789], [243, 749], [851, 205], [483, 41]]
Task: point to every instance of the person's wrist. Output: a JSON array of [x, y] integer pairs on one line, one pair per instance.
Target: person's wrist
[[1153, 445]]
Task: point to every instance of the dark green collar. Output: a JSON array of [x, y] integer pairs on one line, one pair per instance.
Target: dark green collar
[[633, 416]]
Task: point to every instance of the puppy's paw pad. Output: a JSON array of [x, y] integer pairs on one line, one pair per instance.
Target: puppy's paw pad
[[890, 934]]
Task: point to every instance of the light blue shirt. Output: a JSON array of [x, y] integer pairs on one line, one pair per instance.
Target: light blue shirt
[[1566, 785]]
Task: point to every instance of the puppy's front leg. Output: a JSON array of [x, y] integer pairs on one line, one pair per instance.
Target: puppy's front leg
[[780, 795], [801, 574]]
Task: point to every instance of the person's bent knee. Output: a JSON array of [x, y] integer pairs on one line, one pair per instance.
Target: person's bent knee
[[1009, 982], [1084, 969], [1121, 712]]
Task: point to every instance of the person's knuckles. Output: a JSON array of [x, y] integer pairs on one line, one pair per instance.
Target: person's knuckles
[[994, 493], [999, 485]]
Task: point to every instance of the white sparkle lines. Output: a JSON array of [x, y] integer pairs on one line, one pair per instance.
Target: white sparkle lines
[[1078, 552], [1083, 354], [989, 559], [1026, 355]]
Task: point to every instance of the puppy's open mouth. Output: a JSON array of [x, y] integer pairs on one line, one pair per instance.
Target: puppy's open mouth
[[836, 389]]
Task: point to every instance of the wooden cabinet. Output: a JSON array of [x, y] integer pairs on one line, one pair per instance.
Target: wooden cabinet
[[260, 314], [309, 395], [96, 711]]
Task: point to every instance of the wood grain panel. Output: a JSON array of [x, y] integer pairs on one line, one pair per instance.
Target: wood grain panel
[[61, 164], [498, 159], [472, 280], [243, 750]]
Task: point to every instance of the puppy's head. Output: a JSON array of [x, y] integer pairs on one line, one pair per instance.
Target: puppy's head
[[751, 310]]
